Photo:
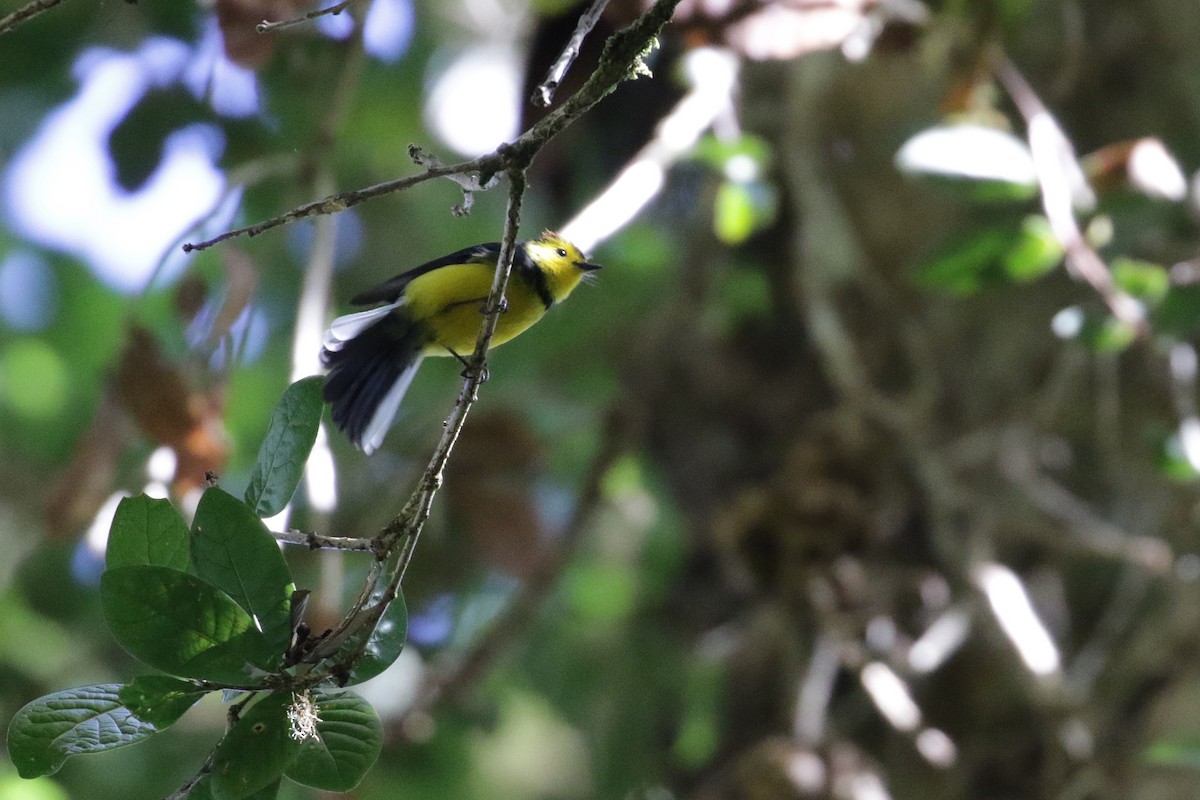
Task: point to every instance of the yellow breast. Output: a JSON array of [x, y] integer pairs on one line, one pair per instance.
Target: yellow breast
[[448, 301]]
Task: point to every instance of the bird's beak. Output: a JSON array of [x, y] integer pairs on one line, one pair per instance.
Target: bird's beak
[[588, 266]]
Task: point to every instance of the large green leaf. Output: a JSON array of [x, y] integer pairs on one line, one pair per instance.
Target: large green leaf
[[159, 699], [203, 791], [349, 739], [256, 750], [285, 449], [89, 719], [234, 551], [384, 644], [148, 531], [176, 622]]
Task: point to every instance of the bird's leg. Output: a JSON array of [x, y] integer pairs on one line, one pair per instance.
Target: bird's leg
[[469, 368], [500, 307]]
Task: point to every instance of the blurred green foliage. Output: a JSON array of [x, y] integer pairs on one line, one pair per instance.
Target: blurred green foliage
[[757, 488]]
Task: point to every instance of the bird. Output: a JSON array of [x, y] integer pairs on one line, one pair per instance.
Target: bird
[[434, 310]]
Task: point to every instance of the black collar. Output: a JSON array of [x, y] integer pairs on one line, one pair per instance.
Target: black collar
[[535, 277]]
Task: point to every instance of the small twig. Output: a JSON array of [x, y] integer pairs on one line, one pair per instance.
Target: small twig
[[467, 669], [468, 183], [266, 25], [340, 202], [191, 783], [543, 95], [396, 542], [314, 541], [1055, 163], [25, 13], [412, 518], [1092, 533], [622, 52], [816, 690], [709, 95], [1114, 623]]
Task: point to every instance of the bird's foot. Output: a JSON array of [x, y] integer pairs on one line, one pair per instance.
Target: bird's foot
[[499, 308], [470, 369]]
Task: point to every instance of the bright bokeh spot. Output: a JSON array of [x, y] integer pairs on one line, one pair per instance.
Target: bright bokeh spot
[[61, 190], [15, 788], [231, 89], [28, 291], [473, 102], [336, 26], [969, 151], [33, 379], [388, 29]]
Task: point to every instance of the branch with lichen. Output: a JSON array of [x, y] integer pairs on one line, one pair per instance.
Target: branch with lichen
[[25, 13], [395, 544]]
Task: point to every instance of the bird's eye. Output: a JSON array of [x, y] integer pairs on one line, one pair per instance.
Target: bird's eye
[[561, 253]]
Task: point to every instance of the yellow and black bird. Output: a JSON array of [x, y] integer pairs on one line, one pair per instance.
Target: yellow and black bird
[[434, 310]]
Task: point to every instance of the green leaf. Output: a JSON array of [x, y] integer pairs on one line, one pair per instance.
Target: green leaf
[[601, 592], [285, 449], [719, 151], [1036, 251], [148, 531], [384, 645], [1179, 313], [256, 751], [1172, 461], [967, 265], [1146, 281], [203, 791], [176, 622], [1108, 334], [233, 550], [1182, 752], [90, 719], [159, 699], [350, 738], [733, 213]]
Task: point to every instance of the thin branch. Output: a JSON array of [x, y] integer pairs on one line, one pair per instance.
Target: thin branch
[[467, 669], [340, 202], [411, 520], [622, 52], [712, 81], [314, 541], [1057, 169], [816, 690], [266, 25], [1091, 533], [543, 95], [25, 13], [396, 542]]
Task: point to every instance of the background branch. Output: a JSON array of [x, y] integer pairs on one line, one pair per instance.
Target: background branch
[[543, 95], [333, 10], [1061, 180], [622, 52], [396, 542], [25, 13]]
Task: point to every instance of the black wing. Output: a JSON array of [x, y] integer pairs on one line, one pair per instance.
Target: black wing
[[390, 290]]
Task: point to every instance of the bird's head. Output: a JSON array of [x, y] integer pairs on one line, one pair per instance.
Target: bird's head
[[561, 262]]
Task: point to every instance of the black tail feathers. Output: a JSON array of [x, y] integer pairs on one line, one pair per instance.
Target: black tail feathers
[[363, 371]]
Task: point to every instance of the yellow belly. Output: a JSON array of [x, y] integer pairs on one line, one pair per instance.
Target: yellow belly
[[448, 301]]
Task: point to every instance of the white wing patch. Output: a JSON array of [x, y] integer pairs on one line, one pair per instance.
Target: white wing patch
[[381, 420], [345, 328]]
